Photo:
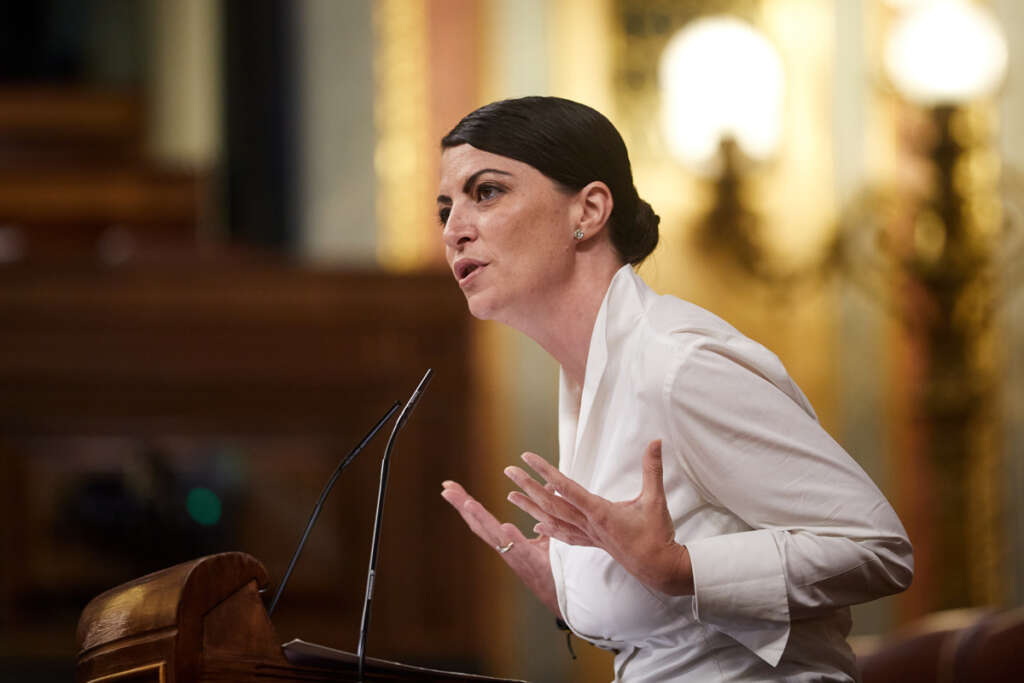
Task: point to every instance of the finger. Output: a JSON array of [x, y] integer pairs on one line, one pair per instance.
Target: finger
[[476, 516], [544, 498], [512, 534], [455, 495], [530, 486], [564, 533], [479, 517], [522, 550], [653, 471], [480, 521], [470, 520], [453, 492], [527, 505], [566, 487]]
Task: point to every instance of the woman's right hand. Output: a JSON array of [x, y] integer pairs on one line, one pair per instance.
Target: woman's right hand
[[528, 557]]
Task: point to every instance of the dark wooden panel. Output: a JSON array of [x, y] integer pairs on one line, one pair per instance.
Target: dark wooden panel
[[285, 366], [84, 196], [42, 125], [218, 348]]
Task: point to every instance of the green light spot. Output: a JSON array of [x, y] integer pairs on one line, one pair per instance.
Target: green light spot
[[203, 506]]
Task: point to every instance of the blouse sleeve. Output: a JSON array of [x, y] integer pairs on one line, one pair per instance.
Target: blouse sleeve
[[823, 536]]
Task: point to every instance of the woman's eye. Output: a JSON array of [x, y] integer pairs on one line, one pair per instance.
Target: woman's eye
[[485, 192], [443, 215]]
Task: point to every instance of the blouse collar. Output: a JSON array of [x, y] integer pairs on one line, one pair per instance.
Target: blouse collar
[[621, 307]]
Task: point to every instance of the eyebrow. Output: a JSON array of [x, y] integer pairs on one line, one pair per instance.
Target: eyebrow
[[445, 199]]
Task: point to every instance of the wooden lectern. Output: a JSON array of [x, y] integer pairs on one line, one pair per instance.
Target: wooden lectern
[[201, 621]]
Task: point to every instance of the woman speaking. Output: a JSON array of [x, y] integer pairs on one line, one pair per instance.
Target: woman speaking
[[701, 523]]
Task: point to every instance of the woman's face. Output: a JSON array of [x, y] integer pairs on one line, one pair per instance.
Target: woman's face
[[507, 232]]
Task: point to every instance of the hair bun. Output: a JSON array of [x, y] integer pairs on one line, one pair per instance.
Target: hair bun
[[644, 236]]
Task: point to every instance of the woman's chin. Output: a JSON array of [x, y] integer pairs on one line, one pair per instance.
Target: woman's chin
[[480, 312], [481, 306]]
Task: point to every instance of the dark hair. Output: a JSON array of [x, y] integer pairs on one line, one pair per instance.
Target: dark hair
[[573, 145]]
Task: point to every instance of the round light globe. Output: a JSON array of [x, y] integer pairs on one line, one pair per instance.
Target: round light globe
[[720, 78], [946, 52]]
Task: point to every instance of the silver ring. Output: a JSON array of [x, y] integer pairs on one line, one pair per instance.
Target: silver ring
[[502, 549]]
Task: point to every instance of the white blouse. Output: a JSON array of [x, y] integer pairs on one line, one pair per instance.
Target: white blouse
[[783, 528]]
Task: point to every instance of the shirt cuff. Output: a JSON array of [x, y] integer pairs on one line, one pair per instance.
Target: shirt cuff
[[740, 590]]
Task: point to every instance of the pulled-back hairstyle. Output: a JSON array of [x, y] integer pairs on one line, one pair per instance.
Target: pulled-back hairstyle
[[573, 145]]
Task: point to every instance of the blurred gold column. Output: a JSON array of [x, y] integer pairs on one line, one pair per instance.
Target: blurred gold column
[[943, 240], [954, 236], [404, 172]]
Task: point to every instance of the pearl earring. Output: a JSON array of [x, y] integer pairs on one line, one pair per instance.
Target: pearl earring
[[578, 234]]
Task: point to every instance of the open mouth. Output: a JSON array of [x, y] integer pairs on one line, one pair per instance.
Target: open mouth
[[464, 269]]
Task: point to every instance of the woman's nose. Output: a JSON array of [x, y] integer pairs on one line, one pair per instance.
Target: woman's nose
[[458, 229]]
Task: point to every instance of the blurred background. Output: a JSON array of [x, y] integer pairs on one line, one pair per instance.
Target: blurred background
[[220, 262]]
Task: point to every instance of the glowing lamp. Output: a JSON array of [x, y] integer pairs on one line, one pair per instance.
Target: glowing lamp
[[946, 52], [720, 79]]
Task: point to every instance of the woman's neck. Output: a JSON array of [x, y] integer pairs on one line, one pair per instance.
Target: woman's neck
[[565, 328]]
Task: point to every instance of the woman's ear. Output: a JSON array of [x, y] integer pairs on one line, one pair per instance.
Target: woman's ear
[[596, 205]]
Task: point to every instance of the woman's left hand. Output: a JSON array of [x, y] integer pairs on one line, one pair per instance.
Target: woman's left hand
[[637, 533]]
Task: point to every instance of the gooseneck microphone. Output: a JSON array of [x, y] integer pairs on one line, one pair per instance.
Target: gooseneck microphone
[[323, 496], [375, 542]]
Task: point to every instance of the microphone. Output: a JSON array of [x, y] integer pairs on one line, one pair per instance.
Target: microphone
[[323, 496], [375, 542]]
